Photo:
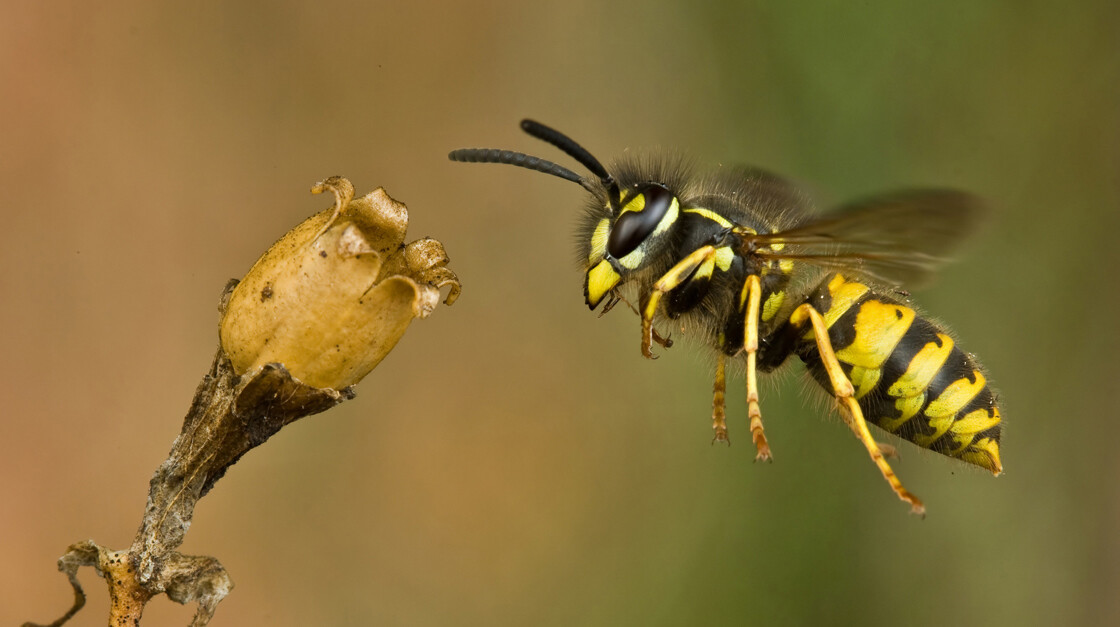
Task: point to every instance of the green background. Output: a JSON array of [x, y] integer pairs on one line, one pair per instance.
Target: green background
[[515, 460]]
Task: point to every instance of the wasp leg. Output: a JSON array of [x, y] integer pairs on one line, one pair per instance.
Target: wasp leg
[[752, 295], [719, 416], [666, 342], [676, 276], [611, 302], [844, 392]]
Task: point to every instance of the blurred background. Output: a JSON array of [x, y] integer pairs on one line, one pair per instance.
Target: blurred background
[[515, 460]]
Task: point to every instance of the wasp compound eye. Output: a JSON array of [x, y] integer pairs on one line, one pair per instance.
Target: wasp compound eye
[[639, 218]]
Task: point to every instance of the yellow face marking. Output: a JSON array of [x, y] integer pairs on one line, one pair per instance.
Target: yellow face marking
[[922, 368], [772, 305], [955, 396], [669, 218], [634, 259], [637, 203], [879, 327], [711, 215], [600, 279], [599, 240], [864, 380]]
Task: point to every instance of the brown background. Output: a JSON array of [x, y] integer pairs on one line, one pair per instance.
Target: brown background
[[515, 460]]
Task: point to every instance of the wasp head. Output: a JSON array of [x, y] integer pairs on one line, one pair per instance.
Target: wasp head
[[628, 228]]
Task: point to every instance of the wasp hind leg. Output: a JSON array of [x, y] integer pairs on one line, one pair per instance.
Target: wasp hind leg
[[844, 392]]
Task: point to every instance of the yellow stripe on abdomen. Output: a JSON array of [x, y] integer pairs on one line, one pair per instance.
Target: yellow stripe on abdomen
[[878, 328], [909, 376], [923, 367]]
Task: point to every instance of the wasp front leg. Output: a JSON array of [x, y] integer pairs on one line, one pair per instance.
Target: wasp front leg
[[844, 392], [697, 266], [615, 298], [675, 277]]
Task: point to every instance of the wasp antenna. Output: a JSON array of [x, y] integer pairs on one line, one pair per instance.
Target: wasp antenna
[[509, 157], [577, 152], [521, 160], [569, 146]]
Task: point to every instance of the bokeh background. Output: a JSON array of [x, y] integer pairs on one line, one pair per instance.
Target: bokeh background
[[515, 460]]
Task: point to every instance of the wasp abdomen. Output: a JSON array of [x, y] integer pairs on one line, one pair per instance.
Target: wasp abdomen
[[909, 376]]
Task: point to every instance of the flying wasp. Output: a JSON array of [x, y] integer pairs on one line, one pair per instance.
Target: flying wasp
[[738, 257]]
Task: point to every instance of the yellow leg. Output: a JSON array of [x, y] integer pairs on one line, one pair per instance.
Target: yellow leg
[[844, 392], [665, 342], [719, 415], [671, 279], [752, 294]]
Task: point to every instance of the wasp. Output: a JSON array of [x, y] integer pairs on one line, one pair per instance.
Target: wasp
[[738, 257]]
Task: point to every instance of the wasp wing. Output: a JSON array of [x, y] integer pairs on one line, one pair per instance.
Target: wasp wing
[[899, 238]]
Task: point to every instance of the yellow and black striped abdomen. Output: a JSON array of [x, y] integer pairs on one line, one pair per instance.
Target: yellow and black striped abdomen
[[910, 377]]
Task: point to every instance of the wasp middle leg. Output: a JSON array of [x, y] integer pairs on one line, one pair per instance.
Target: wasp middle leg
[[752, 298]]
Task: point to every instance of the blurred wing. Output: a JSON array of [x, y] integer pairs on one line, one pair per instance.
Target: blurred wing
[[897, 239]]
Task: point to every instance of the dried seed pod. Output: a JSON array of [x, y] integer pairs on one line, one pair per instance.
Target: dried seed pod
[[333, 296]]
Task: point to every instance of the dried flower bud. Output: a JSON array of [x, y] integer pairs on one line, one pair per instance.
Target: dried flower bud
[[333, 296]]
